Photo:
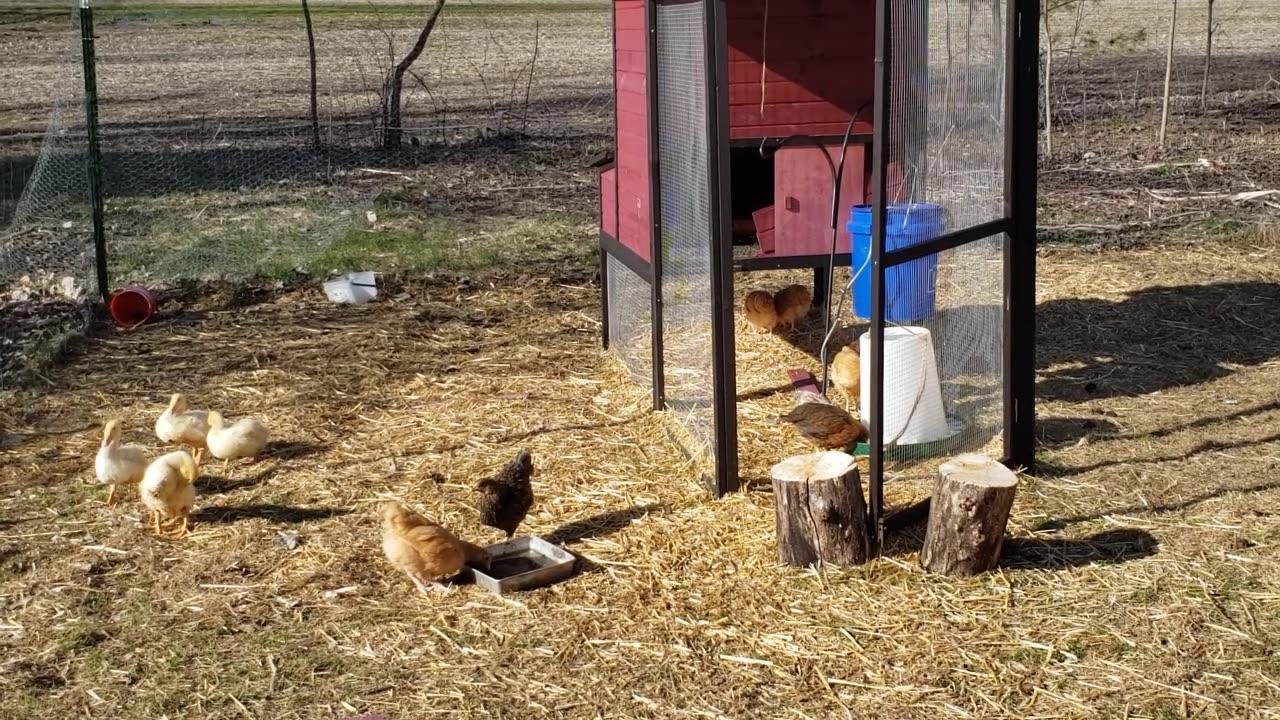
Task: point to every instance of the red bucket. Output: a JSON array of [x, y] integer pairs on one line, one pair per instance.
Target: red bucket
[[132, 306]]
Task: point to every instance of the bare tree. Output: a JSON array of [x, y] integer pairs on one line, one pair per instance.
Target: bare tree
[[1048, 83], [311, 52], [1208, 58], [393, 83], [1168, 74]]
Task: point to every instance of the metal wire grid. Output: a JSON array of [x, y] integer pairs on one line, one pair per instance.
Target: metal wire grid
[[45, 234], [631, 321], [946, 134], [685, 203]]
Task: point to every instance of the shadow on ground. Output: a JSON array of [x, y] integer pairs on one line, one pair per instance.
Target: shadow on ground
[[280, 513], [1156, 338], [602, 524], [1060, 523], [1112, 546]]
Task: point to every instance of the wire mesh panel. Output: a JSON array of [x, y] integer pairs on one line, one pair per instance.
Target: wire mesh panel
[[253, 139], [686, 211], [945, 145], [44, 213], [46, 240], [630, 320]]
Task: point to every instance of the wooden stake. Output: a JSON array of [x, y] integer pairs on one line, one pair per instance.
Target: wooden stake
[[971, 501], [821, 514]]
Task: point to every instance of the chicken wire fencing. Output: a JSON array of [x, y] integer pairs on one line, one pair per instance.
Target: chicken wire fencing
[[47, 279], [945, 144], [686, 232], [630, 320], [221, 161]]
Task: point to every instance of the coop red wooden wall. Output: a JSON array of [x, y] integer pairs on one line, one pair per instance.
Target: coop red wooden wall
[[632, 126], [819, 58]]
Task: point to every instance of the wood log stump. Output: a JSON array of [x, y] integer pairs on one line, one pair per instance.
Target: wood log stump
[[821, 514], [971, 501]]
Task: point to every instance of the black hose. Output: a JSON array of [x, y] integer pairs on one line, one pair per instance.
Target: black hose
[[837, 176]]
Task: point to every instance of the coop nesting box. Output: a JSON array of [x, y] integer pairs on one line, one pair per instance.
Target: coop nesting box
[[737, 120]]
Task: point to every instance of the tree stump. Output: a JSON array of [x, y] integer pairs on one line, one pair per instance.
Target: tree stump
[[821, 514], [971, 501]]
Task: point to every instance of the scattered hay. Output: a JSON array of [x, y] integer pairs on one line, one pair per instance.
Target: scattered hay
[[1140, 580]]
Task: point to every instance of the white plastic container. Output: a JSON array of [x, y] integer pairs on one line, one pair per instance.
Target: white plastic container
[[913, 412], [355, 288]]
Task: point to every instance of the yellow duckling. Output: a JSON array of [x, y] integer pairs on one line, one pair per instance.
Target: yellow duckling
[[117, 464], [179, 426], [168, 490], [244, 438]]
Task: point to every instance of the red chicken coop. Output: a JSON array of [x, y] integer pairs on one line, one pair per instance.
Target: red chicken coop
[[895, 138]]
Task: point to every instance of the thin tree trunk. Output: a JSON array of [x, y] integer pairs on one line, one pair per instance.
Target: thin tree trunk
[[1048, 85], [1075, 34], [533, 68], [1168, 75], [1208, 59], [395, 81], [311, 52]]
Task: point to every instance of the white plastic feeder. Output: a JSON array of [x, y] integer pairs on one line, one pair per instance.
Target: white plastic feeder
[[355, 288], [913, 412]]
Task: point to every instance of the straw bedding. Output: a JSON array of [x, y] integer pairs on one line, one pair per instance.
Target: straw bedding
[[1139, 580]]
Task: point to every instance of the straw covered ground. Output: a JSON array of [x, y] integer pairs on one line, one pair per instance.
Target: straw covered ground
[[1140, 579]]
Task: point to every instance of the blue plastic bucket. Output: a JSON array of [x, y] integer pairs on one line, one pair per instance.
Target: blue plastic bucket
[[910, 290]]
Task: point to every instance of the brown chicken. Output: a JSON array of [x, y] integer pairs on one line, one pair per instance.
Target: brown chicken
[[758, 307], [846, 374], [791, 304], [505, 498], [425, 551], [826, 425]]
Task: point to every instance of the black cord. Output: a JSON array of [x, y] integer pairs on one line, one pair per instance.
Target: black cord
[[837, 176]]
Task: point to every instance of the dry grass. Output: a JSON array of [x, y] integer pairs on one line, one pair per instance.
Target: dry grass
[[1140, 580]]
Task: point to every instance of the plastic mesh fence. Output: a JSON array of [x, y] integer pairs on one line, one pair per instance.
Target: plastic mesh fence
[[685, 207], [631, 321], [946, 139]]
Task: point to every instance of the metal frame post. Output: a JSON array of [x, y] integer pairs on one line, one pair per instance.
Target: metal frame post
[[604, 298], [604, 255], [723, 352], [879, 178], [655, 203], [88, 59], [1021, 138]]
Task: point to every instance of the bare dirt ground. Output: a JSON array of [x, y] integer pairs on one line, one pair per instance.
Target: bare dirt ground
[[1139, 579]]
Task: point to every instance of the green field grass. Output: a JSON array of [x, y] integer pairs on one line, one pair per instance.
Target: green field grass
[[164, 238]]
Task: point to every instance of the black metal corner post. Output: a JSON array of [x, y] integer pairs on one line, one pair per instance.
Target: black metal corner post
[[604, 297], [655, 203], [94, 156], [1021, 164], [723, 364], [604, 254], [879, 179]]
